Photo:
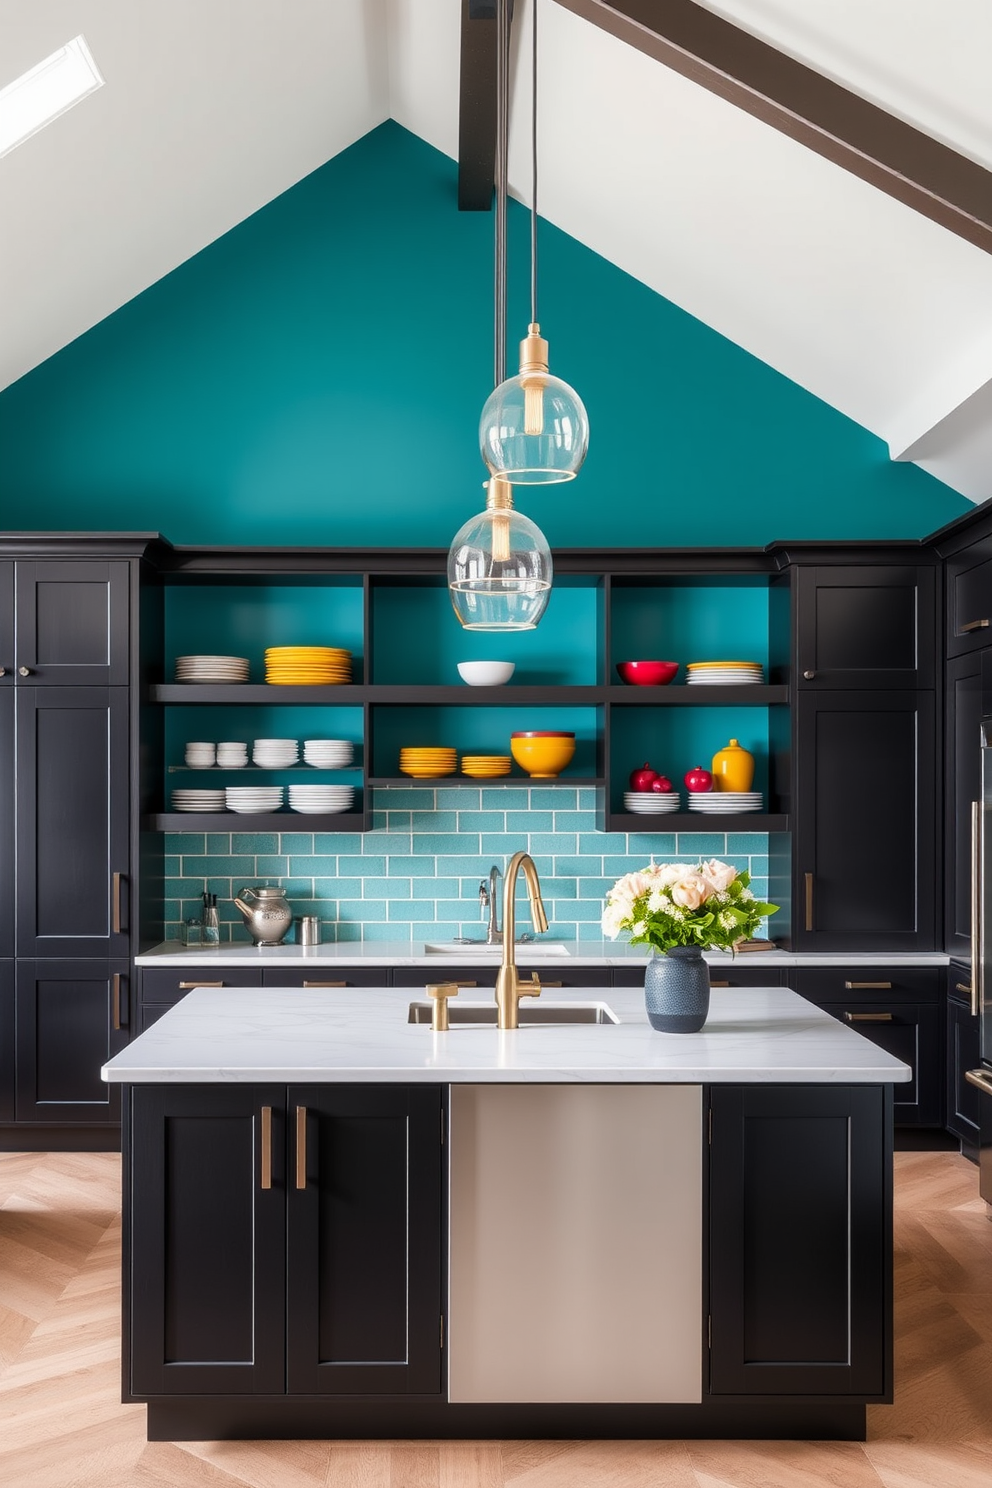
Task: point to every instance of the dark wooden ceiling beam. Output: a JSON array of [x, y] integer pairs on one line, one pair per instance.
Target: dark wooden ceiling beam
[[863, 138], [477, 106]]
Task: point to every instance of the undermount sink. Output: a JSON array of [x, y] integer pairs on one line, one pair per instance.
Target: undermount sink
[[483, 1014], [527, 951]]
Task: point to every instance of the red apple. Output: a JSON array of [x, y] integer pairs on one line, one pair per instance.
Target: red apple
[[644, 778], [661, 783], [698, 779]]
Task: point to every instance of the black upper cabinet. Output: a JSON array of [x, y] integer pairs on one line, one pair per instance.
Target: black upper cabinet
[[72, 1016], [7, 870], [71, 623], [800, 1240], [864, 865], [962, 786], [868, 627], [72, 847], [969, 598], [7, 669]]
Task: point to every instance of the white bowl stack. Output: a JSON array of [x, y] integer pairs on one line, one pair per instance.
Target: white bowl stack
[[328, 754], [200, 756], [276, 754], [198, 800], [316, 800], [253, 800], [652, 803], [725, 803], [212, 668], [232, 755]]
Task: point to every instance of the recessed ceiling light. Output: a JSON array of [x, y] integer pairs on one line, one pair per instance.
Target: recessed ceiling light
[[41, 94]]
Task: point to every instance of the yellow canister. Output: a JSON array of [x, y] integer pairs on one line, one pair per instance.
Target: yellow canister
[[733, 768]]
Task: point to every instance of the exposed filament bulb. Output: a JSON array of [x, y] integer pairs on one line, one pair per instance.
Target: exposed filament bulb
[[533, 372]]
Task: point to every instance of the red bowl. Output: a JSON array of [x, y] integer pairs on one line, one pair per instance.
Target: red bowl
[[647, 673]]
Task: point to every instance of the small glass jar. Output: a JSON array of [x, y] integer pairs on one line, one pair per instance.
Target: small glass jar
[[192, 931]]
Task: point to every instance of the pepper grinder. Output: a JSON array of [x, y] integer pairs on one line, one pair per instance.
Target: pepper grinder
[[211, 921]]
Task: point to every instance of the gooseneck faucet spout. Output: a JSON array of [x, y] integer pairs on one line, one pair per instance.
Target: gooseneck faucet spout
[[509, 987]]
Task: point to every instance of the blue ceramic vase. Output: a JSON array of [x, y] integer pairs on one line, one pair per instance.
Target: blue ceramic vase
[[677, 990]]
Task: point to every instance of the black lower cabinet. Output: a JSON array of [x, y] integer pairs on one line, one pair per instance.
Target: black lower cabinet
[[8, 1025], [911, 1032], [71, 1017], [285, 1241], [963, 1054], [800, 1216]]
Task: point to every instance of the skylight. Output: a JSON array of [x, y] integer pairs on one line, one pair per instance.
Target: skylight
[[45, 91]]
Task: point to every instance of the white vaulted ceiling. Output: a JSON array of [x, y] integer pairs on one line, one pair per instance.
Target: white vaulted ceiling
[[214, 107]]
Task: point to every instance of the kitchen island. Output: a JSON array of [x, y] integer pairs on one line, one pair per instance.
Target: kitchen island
[[340, 1223]]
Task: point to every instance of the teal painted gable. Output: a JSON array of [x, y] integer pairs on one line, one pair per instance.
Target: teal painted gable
[[316, 376]]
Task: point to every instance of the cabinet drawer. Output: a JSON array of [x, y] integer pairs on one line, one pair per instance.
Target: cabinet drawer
[[169, 984], [325, 976], [912, 1034], [969, 599], [468, 976], [720, 976], [859, 984]]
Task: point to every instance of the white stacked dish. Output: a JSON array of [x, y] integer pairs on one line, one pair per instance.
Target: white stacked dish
[[652, 803], [212, 668], [198, 800], [725, 803], [252, 800], [724, 674], [328, 754], [200, 756], [321, 799], [232, 755], [275, 754]]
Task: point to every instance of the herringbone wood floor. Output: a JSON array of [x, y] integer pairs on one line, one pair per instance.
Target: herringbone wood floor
[[61, 1425]]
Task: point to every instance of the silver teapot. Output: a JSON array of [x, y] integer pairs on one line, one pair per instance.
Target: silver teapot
[[267, 917]]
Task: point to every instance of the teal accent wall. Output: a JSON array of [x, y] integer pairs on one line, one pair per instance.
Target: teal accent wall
[[316, 376]]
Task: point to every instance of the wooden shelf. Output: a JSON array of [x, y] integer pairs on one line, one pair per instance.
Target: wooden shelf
[[267, 821]]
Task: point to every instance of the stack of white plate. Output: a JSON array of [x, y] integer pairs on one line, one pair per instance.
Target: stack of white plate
[[198, 800], [724, 673], [211, 669], [314, 799], [200, 756], [652, 803], [725, 803], [275, 754], [252, 800], [232, 755], [328, 754]]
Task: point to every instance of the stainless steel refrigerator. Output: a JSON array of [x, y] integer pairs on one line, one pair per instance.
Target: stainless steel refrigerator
[[981, 954]]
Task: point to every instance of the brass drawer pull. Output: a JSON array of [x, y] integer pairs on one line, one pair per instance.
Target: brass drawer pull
[[266, 1146], [973, 625], [188, 986], [117, 1001], [979, 1079], [809, 900], [868, 986], [301, 1146], [719, 984], [464, 984], [868, 1017], [550, 984], [325, 984], [960, 987]]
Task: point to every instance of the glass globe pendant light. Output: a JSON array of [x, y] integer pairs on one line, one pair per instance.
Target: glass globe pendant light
[[534, 428], [499, 566]]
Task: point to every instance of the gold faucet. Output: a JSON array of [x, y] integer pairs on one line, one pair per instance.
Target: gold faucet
[[509, 987]]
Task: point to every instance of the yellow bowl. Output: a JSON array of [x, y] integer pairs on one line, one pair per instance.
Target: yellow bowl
[[542, 758]]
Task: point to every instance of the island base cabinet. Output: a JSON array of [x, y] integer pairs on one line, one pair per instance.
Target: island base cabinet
[[284, 1241], [800, 1218]]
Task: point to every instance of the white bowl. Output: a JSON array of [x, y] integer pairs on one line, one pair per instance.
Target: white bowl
[[485, 673]]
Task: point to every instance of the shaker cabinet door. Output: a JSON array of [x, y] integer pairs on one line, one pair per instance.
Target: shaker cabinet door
[[864, 790], [962, 785], [8, 877], [7, 669], [73, 787], [870, 626], [72, 1016], [71, 623]]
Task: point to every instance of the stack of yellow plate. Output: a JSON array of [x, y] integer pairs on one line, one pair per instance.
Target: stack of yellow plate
[[724, 673], [427, 762], [483, 765], [307, 666]]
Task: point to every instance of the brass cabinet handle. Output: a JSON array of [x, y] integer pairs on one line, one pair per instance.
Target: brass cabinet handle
[[960, 987], [561, 984], [719, 984], [973, 625], [868, 1017], [868, 986], [301, 1146], [117, 1001], [809, 900], [979, 1079], [325, 984], [188, 986], [266, 1146], [465, 984], [977, 894], [115, 910]]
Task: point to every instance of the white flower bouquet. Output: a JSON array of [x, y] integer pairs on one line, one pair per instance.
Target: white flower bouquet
[[706, 905]]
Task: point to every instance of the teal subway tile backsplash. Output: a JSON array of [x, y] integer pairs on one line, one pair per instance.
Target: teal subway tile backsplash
[[418, 872]]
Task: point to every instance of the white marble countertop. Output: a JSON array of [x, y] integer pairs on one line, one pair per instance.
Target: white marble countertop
[[280, 1035], [580, 953]]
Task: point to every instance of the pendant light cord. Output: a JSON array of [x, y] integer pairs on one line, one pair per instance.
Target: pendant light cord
[[501, 172], [533, 166]]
